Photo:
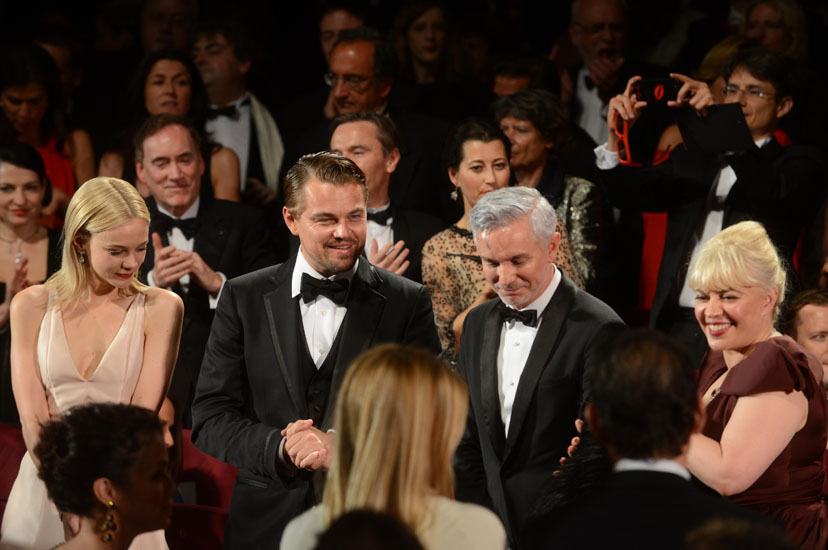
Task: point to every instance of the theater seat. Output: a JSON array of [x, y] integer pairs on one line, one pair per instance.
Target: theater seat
[[195, 526], [12, 449], [213, 479]]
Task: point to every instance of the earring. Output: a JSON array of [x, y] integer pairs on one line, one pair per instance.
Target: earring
[[109, 523], [454, 194], [81, 259]]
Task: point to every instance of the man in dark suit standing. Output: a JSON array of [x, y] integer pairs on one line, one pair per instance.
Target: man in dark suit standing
[[526, 357], [644, 409], [197, 242], [395, 235], [281, 341]]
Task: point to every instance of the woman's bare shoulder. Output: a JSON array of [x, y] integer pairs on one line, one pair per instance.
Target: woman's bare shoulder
[[30, 303], [161, 303]]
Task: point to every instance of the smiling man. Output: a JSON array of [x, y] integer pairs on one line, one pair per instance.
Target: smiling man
[[197, 243], [281, 342], [526, 357]]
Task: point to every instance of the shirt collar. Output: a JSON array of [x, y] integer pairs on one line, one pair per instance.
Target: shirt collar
[[539, 304], [240, 103], [191, 212], [664, 465], [302, 266], [383, 208]]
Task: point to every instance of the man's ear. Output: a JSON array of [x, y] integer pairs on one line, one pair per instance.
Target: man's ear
[[244, 66], [139, 172], [554, 246], [290, 221], [594, 420], [385, 85], [392, 159], [784, 106]]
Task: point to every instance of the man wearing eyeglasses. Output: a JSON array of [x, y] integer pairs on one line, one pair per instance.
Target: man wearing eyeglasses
[[361, 78], [781, 187]]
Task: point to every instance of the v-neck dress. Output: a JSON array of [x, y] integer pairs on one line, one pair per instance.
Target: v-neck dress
[[31, 520]]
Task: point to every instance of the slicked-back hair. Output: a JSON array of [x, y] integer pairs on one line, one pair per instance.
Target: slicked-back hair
[[324, 166], [776, 68], [644, 391], [90, 442], [546, 113], [387, 132], [471, 129], [155, 124], [385, 58], [810, 297], [505, 206]]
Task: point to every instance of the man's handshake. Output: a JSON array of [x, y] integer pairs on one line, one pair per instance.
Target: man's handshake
[[307, 447]]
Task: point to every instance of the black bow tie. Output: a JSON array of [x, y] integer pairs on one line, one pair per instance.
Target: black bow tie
[[165, 223], [311, 288], [380, 218], [230, 111], [528, 317]]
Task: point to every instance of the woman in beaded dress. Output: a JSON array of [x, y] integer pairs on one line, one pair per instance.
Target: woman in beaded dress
[[477, 157]]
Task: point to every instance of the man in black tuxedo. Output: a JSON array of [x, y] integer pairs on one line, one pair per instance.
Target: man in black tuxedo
[[526, 356], [395, 235], [644, 408], [361, 76], [281, 341], [197, 243]]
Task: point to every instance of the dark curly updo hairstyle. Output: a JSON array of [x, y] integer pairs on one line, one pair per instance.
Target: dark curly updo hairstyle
[[90, 442]]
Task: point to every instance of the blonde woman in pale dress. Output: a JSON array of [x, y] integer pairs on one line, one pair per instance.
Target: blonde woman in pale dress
[[91, 333]]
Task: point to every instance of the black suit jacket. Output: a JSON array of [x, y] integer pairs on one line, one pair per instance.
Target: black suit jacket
[[415, 228], [635, 510], [251, 384], [781, 188], [232, 239], [508, 473]]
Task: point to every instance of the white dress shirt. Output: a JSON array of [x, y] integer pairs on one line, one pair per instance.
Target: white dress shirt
[[384, 234], [713, 220], [652, 465], [592, 116], [177, 239], [234, 133], [321, 318], [516, 341]]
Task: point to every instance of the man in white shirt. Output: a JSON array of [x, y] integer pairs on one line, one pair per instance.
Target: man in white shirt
[[644, 408], [780, 186], [395, 236], [281, 342], [237, 119], [197, 243], [526, 356]]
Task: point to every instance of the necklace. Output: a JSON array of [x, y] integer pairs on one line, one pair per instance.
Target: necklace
[[19, 239]]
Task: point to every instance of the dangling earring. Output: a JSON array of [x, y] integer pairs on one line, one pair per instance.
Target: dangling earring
[[109, 521], [81, 259], [454, 194]]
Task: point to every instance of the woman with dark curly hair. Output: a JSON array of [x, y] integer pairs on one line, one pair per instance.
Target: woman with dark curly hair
[[167, 81], [107, 464]]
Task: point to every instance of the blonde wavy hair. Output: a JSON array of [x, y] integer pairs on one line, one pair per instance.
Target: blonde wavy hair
[[399, 416], [741, 255], [98, 205]]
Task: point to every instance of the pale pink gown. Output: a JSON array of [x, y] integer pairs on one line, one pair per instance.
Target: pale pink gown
[[31, 521]]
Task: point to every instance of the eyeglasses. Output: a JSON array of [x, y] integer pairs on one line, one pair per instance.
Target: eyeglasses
[[351, 81], [622, 130], [730, 90]]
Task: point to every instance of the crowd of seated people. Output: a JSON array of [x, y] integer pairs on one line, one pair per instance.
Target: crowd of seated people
[[281, 187]]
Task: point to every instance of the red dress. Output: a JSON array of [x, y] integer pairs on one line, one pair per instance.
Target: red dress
[[791, 488]]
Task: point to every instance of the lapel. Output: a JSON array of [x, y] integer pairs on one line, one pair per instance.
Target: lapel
[[365, 306], [283, 323], [210, 238], [539, 357], [492, 326]]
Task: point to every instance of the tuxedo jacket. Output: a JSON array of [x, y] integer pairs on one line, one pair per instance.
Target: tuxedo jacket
[[251, 384], [415, 228], [636, 509], [232, 239], [504, 472], [781, 188]]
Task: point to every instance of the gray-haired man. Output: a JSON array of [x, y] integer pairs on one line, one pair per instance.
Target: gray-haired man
[[526, 357]]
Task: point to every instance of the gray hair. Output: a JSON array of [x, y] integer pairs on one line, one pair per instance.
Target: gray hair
[[505, 206]]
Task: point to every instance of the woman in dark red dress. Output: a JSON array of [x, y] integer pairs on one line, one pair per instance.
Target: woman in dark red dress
[[765, 433]]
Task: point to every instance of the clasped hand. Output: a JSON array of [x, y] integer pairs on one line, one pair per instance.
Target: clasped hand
[[307, 447], [693, 93], [171, 264]]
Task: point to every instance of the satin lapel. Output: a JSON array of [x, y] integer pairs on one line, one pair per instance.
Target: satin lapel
[[539, 356], [365, 306], [490, 344], [283, 323]]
